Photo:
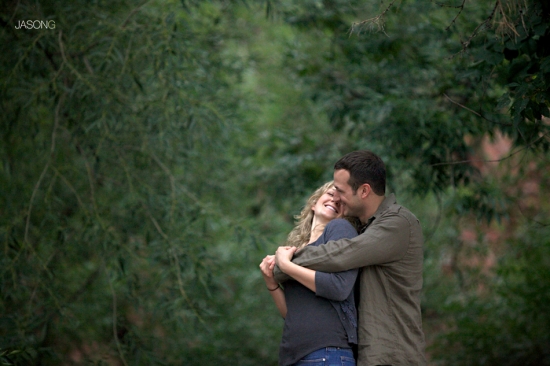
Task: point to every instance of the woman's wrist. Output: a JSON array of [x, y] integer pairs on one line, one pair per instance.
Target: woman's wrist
[[270, 282], [284, 265]]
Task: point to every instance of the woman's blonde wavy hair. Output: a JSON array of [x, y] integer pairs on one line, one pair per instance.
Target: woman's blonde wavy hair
[[299, 236]]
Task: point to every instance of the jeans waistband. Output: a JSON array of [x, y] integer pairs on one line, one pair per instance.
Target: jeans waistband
[[337, 349]]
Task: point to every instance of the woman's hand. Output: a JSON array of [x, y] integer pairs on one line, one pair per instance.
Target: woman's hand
[[305, 276], [278, 295], [283, 255], [267, 265]]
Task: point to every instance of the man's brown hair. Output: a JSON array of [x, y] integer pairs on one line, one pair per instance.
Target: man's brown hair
[[364, 166]]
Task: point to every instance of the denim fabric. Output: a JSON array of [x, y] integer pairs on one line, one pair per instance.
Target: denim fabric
[[329, 356]]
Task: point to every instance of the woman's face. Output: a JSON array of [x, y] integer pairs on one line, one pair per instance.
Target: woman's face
[[325, 209]]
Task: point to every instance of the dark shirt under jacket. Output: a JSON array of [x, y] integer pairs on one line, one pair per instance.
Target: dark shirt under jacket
[[326, 318]]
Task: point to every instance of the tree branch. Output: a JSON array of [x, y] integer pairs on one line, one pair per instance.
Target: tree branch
[[66, 61], [52, 150], [460, 7], [115, 333], [474, 34], [378, 20], [176, 264], [474, 112], [492, 161]]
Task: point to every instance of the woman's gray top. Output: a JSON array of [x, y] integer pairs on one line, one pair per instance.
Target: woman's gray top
[[326, 318]]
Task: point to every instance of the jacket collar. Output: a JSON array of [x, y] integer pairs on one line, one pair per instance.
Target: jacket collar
[[386, 203]]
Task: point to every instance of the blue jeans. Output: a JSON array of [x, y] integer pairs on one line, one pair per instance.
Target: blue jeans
[[329, 356]]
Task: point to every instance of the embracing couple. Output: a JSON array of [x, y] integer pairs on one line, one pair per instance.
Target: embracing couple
[[349, 278]]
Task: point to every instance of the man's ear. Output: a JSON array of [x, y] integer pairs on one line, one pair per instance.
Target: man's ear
[[365, 189]]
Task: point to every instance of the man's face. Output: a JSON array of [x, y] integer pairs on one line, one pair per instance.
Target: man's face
[[351, 204]]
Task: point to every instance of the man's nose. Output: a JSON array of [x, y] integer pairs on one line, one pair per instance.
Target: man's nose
[[336, 197]]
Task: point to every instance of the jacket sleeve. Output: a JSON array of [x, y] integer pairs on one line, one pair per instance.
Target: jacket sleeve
[[385, 241]]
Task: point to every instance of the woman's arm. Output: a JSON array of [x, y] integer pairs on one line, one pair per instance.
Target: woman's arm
[[303, 275], [274, 289], [333, 286]]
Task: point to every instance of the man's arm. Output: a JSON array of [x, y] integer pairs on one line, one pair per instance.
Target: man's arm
[[385, 241]]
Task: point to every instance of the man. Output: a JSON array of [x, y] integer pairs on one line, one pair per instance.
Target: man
[[390, 255]]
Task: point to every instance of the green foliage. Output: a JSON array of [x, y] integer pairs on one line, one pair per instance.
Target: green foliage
[[153, 152], [431, 81], [508, 324], [518, 58], [118, 184], [378, 88]]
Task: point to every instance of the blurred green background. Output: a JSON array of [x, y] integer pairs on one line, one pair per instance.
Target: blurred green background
[[153, 152]]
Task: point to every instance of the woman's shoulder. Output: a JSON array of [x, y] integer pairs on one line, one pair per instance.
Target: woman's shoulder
[[341, 225]]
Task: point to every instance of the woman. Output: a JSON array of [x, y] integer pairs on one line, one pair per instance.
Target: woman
[[318, 308]]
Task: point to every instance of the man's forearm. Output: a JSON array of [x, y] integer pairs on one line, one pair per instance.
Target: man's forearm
[[333, 256], [385, 243], [308, 260]]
